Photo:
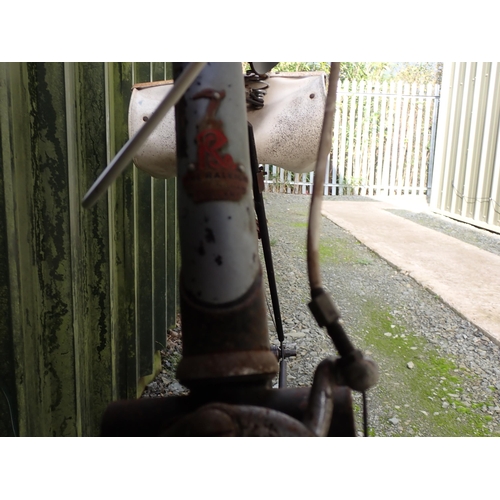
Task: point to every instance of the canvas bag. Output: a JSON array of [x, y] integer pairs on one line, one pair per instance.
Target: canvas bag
[[287, 128]]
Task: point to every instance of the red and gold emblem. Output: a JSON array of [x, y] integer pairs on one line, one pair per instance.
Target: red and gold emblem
[[216, 176]]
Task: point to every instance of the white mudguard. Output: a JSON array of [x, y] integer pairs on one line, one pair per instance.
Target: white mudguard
[[287, 129]]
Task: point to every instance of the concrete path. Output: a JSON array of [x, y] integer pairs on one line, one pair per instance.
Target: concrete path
[[465, 277]]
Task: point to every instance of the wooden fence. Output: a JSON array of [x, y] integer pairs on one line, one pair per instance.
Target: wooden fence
[[86, 296], [382, 142]]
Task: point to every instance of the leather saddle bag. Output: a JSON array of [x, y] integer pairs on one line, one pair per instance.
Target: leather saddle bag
[[287, 128]]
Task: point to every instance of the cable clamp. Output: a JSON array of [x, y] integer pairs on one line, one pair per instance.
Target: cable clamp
[[323, 308]]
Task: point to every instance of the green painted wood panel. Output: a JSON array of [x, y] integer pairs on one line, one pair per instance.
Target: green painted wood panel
[[144, 253], [144, 271], [86, 295], [173, 253], [37, 218], [8, 399], [159, 263], [86, 129], [122, 261]]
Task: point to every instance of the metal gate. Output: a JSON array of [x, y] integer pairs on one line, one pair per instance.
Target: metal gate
[[383, 142]]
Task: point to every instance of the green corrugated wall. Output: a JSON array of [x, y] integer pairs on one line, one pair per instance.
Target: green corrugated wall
[[86, 296], [466, 177]]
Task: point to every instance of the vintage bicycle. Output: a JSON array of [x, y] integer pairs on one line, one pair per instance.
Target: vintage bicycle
[[227, 360]]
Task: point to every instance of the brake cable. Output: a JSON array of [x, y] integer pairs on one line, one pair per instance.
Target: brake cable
[[355, 371], [266, 247]]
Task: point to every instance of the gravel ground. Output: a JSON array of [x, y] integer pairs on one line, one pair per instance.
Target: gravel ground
[[440, 376]]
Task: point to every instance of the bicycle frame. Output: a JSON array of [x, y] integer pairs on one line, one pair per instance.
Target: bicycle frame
[[221, 280], [227, 362]]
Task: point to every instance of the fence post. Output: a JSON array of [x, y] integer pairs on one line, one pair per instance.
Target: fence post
[[430, 169]]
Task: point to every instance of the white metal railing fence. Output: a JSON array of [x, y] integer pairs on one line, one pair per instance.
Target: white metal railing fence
[[383, 142]]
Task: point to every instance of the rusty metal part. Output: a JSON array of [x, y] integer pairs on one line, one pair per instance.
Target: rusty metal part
[[321, 403], [217, 367], [324, 410], [323, 308], [353, 371], [365, 415], [218, 244], [219, 419], [288, 352], [282, 377], [356, 371], [329, 374], [260, 179], [152, 417], [320, 408], [255, 90], [226, 341]]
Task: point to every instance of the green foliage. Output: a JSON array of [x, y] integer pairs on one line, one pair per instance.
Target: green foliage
[[376, 71], [351, 185], [418, 72], [287, 67], [348, 70], [409, 72]]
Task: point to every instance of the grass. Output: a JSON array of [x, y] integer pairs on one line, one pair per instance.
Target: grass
[[426, 397], [335, 252], [331, 252]]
